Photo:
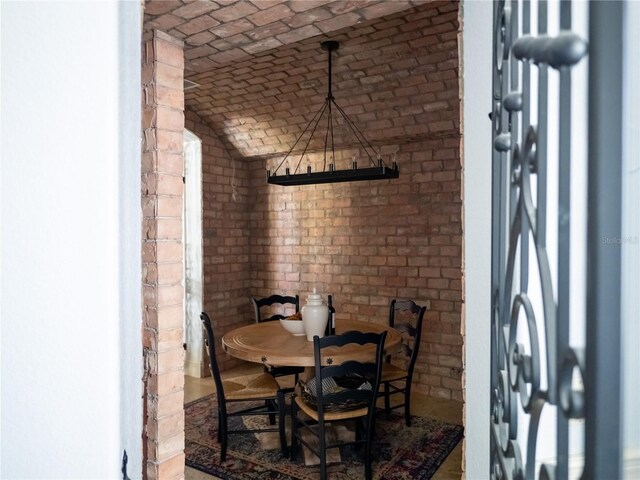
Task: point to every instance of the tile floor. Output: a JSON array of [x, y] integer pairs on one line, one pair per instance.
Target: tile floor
[[445, 410]]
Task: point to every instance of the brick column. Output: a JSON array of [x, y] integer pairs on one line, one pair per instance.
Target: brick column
[[162, 252]]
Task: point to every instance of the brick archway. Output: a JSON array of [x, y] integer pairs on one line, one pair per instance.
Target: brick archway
[[400, 69]]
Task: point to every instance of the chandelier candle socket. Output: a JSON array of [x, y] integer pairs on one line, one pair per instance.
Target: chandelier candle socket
[[378, 169]]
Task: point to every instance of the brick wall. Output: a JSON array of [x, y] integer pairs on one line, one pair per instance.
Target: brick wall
[[369, 242], [162, 189]]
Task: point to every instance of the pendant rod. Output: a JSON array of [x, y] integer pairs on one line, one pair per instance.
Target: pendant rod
[[330, 46]]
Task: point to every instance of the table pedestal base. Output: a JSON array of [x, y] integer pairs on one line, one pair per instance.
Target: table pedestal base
[[333, 433]]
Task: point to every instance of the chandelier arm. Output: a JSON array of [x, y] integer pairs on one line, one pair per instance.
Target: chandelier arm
[[359, 135], [324, 107], [318, 113], [326, 135]]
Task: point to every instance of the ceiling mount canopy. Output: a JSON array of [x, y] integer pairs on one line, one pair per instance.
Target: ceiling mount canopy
[[376, 168]]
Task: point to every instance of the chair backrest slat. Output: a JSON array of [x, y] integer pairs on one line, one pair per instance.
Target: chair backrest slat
[[283, 300], [352, 336]]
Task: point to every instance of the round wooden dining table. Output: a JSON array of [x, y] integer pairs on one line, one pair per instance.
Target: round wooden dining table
[[269, 343]]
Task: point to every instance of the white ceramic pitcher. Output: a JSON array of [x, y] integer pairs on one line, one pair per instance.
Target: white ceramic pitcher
[[315, 315]]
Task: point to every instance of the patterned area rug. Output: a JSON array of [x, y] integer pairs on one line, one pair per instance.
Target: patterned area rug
[[399, 452]]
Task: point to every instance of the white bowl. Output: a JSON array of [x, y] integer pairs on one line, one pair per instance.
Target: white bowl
[[294, 327]]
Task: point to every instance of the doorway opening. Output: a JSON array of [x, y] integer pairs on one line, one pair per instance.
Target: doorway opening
[[194, 364]]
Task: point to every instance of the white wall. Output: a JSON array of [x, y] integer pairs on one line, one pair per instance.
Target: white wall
[[477, 68], [71, 335]]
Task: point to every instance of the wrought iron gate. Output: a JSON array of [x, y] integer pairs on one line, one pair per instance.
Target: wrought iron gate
[[534, 365]]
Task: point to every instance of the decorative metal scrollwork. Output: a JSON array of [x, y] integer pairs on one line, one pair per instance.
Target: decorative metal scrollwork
[[533, 365], [572, 400]]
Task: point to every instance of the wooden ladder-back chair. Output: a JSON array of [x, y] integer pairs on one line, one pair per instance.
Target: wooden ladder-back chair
[[405, 316], [263, 387], [286, 302], [351, 392]]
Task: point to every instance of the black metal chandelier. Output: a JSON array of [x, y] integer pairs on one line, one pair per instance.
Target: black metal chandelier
[[375, 170]]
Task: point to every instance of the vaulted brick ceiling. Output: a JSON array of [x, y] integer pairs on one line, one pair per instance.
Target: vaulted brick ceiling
[[262, 74]]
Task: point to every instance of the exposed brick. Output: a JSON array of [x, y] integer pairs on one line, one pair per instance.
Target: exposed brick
[[165, 22], [170, 163], [169, 272], [168, 53], [170, 360], [169, 251], [169, 184], [163, 124], [169, 97], [271, 30], [200, 39], [234, 11], [169, 338], [304, 5], [167, 383], [167, 405], [195, 9], [297, 35], [169, 119], [172, 468], [167, 207], [197, 25], [228, 29], [159, 7], [272, 14], [337, 22], [440, 392]]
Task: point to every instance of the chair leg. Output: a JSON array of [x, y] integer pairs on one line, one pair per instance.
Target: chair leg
[[322, 452], [224, 436], [293, 451], [387, 402], [281, 421], [407, 404], [372, 432], [368, 468], [270, 406], [367, 461]]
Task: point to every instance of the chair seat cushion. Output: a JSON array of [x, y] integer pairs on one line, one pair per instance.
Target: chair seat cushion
[[390, 373], [329, 416], [257, 386]]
